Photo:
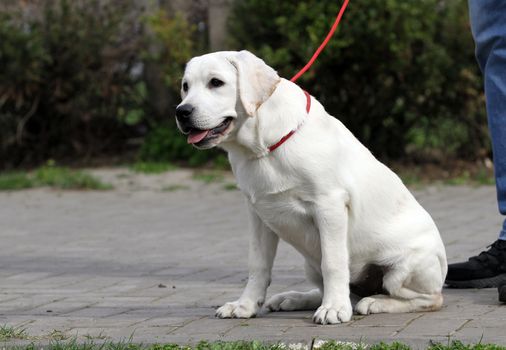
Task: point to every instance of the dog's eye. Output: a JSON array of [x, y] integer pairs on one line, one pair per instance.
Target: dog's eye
[[185, 87], [216, 83]]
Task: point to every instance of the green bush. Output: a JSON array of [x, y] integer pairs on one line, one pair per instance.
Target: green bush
[[171, 47], [401, 75], [166, 144], [173, 39], [65, 78], [83, 77], [74, 81]]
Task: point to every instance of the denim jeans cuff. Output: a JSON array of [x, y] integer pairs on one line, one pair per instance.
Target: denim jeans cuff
[[502, 235]]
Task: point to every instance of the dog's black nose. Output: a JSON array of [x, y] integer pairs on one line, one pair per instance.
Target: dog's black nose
[[184, 111]]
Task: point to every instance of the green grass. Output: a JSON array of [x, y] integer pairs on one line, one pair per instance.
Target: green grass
[[480, 178], [100, 336], [208, 176], [230, 186], [15, 181], [457, 345], [483, 178], [221, 162], [248, 345], [410, 178], [57, 335], [123, 176], [152, 167], [339, 345], [64, 178], [172, 188], [10, 333], [416, 177], [51, 176]]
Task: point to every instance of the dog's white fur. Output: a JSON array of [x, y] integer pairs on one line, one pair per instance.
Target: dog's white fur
[[322, 192]]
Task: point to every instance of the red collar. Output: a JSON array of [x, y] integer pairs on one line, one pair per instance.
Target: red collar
[[287, 136]]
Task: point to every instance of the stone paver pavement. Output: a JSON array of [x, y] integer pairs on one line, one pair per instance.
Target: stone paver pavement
[[153, 258]]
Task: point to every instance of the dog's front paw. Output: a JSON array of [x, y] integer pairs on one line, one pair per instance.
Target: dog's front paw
[[237, 309], [333, 313]]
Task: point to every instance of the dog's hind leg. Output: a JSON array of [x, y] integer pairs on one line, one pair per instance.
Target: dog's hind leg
[[409, 291], [291, 301], [387, 304]]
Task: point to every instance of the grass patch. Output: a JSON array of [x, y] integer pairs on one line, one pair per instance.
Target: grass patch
[[221, 162], [483, 177], [99, 336], [457, 345], [340, 345], [457, 174], [466, 178], [9, 333], [411, 178], [209, 176], [252, 345], [15, 181], [64, 178], [57, 335], [230, 187], [392, 346], [172, 188], [51, 176], [152, 167]]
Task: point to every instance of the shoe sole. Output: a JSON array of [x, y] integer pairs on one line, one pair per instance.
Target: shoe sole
[[492, 282], [502, 293]]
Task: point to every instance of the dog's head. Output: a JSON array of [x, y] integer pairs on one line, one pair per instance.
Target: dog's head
[[219, 91]]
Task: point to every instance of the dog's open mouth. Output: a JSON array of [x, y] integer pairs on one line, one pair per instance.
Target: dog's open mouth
[[197, 136]]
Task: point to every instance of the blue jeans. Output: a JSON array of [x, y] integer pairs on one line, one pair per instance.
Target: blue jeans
[[488, 24]]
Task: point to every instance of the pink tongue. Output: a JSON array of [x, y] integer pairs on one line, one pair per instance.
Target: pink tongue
[[197, 136]]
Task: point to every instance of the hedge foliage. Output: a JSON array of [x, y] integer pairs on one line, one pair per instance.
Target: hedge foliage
[[73, 81], [83, 78], [400, 74]]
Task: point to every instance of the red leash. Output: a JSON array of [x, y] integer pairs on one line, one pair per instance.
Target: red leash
[[306, 67], [323, 44]]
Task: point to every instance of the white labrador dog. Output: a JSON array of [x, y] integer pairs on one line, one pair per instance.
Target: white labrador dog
[[321, 191]]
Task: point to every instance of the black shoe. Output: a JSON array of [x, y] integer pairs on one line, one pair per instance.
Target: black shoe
[[502, 293], [486, 270]]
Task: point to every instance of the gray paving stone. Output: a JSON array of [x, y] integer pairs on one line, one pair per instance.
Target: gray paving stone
[[98, 311], [281, 319], [167, 321], [496, 312], [245, 332], [122, 301], [156, 264], [206, 326], [59, 307], [443, 327], [381, 320], [342, 331], [484, 331]]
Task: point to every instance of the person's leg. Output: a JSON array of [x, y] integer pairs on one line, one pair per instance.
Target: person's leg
[[488, 24]]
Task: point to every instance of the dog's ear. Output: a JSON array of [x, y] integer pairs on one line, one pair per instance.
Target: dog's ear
[[256, 80]]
